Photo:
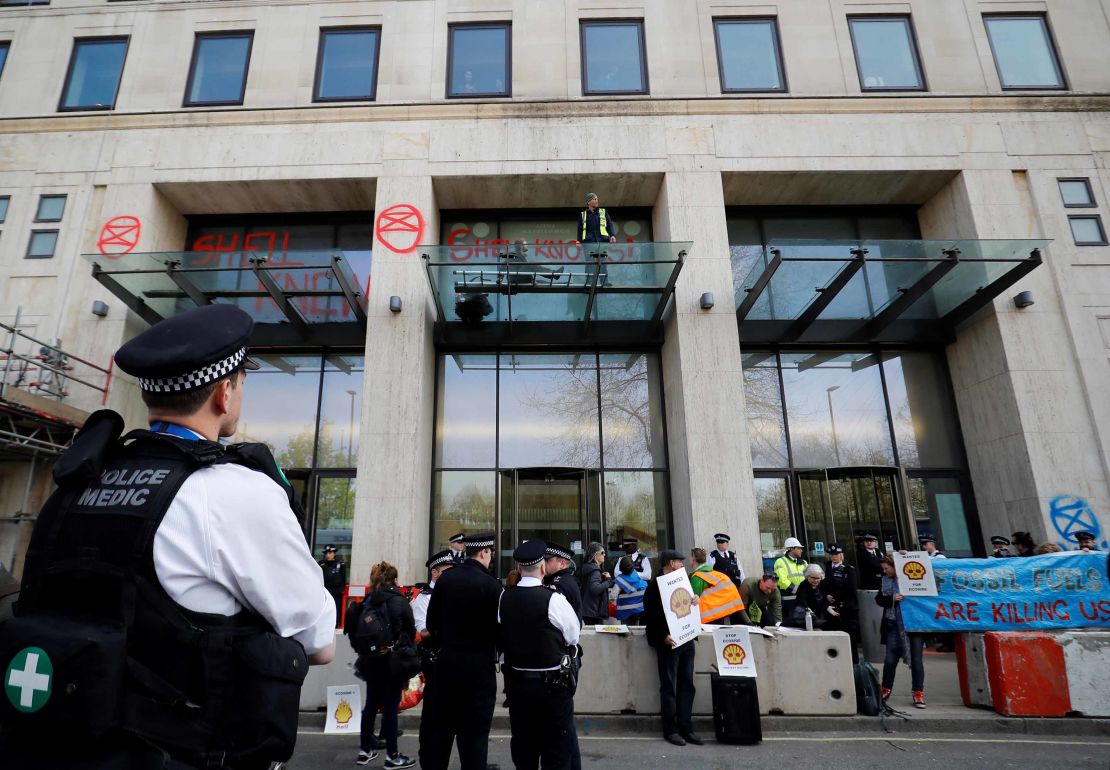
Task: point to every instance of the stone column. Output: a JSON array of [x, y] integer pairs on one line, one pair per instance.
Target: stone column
[[712, 488], [392, 512]]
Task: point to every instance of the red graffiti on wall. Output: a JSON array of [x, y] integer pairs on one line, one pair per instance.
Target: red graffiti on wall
[[535, 251], [119, 236], [400, 228]]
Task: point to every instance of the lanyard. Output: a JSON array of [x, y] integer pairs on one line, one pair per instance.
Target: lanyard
[[174, 430]]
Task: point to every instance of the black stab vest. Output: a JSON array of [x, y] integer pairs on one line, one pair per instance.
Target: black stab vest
[[529, 638], [128, 660]]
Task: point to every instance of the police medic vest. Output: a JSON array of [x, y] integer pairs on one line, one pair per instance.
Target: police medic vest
[[529, 638], [114, 655]]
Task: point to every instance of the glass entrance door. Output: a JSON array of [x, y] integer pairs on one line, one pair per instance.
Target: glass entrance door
[[556, 504], [841, 504]]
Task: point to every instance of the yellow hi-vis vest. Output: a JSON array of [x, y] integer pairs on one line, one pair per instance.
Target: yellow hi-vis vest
[[602, 224], [790, 573], [720, 598]]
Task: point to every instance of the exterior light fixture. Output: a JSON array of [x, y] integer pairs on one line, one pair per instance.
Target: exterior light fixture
[[707, 301], [1023, 299], [395, 304], [99, 309]]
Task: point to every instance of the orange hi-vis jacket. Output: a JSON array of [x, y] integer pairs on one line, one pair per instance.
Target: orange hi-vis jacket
[[720, 598]]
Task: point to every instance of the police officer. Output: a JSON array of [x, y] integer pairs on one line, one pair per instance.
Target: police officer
[[640, 562], [929, 546], [335, 577], [539, 632], [1086, 541], [462, 619], [1001, 547], [839, 587], [559, 574], [161, 513], [438, 564], [725, 560], [458, 550], [869, 559]]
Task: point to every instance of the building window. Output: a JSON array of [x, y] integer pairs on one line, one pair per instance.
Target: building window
[[51, 208], [1087, 230], [4, 46], [479, 60], [347, 64], [749, 57], [218, 72], [42, 243], [886, 53], [1023, 52], [613, 59], [1076, 193], [95, 68], [4, 201], [21, 3]]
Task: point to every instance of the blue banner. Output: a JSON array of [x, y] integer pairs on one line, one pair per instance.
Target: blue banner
[[1070, 590]]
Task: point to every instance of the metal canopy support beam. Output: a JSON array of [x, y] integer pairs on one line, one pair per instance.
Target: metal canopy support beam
[[760, 284], [349, 291], [593, 292], [182, 280], [895, 309], [136, 304], [668, 290], [984, 295], [283, 303], [432, 285], [826, 294]]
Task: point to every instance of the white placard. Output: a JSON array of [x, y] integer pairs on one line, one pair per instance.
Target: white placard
[[683, 617], [734, 651], [915, 574], [344, 709]]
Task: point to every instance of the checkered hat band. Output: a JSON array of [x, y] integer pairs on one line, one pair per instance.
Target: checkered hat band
[[531, 563], [441, 561], [479, 543], [195, 379], [559, 552]]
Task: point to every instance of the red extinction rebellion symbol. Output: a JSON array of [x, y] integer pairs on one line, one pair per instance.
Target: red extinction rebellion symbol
[[119, 236], [400, 228]]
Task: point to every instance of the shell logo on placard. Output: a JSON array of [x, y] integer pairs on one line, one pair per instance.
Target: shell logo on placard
[[734, 654], [343, 712], [914, 570], [681, 601]]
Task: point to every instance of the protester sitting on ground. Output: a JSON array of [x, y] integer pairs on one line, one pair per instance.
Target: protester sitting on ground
[[720, 596], [383, 687], [810, 600], [1023, 541], [1044, 548], [630, 600], [762, 601], [595, 586], [900, 645]]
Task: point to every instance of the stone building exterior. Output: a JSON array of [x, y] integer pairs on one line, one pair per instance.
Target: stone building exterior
[[917, 123]]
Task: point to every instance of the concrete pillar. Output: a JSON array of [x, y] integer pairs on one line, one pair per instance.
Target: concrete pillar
[[1031, 438], [710, 460], [392, 512]]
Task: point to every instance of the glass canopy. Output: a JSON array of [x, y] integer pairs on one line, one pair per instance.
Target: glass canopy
[[295, 297], [485, 290], [873, 290]]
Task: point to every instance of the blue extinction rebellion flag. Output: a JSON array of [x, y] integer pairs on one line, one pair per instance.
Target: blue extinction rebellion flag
[[1054, 591]]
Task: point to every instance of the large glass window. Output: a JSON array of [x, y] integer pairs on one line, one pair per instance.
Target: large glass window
[[1024, 54], [772, 503], [763, 401], [613, 58], [466, 422], [1076, 193], [1087, 230], [925, 424], [463, 501], [347, 64], [218, 73], [479, 60], [886, 54], [938, 510], [95, 68], [748, 55]]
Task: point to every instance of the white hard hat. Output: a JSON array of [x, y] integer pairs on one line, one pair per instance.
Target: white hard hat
[[792, 542]]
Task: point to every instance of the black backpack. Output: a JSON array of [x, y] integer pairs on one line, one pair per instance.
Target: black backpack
[[869, 696], [372, 633]]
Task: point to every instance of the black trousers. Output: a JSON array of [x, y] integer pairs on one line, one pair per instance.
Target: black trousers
[[541, 717], [676, 688], [459, 696]]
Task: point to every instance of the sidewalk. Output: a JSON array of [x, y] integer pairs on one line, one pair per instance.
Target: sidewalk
[[946, 714]]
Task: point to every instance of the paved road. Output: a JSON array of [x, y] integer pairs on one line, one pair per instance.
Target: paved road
[[316, 751]]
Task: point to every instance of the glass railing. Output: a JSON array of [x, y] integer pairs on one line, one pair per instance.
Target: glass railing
[[315, 286], [861, 280], [519, 281]]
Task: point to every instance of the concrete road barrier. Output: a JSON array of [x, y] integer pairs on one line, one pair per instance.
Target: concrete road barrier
[[870, 620], [971, 663], [1087, 657], [1028, 676]]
